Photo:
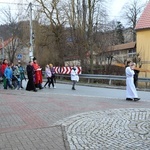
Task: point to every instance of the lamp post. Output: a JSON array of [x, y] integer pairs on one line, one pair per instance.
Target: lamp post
[[2, 47], [31, 33]]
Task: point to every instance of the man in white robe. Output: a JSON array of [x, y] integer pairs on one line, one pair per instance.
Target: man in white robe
[[131, 93]]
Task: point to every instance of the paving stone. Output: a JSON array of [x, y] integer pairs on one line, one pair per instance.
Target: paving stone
[[50, 120], [122, 129]]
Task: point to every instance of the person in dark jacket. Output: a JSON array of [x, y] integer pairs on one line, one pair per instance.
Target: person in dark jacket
[[22, 73], [136, 74], [53, 78], [30, 74]]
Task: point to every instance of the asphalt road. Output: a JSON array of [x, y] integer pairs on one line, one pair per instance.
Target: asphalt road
[[64, 119], [105, 92]]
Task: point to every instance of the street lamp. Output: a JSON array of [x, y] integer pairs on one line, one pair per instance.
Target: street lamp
[[2, 47]]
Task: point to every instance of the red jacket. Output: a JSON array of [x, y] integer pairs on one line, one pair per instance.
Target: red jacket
[[3, 67]]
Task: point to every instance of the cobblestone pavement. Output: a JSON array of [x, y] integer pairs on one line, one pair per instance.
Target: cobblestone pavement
[[118, 129], [47, 120]]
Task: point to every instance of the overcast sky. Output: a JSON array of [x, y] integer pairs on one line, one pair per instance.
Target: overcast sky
[[117, 5], [114, 6]]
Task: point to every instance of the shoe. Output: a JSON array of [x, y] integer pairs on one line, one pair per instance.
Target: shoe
[[129, 99], [54, 87], [35, 90], [73, 88], [136, 99]]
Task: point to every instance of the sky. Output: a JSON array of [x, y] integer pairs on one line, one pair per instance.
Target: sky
[[114, 6], [117, 5]]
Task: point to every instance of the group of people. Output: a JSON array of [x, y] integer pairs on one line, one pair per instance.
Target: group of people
[[12, 75], [50, 75], [34, 73], [131, 81]]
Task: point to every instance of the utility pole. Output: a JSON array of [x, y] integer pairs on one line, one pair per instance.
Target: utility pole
[[31, 33]]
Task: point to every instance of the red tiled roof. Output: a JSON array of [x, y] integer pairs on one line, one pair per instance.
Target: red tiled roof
[[144, 21], [122, 46], [5, 43]]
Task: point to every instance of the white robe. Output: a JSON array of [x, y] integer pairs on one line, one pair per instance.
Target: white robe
[[130, 87]]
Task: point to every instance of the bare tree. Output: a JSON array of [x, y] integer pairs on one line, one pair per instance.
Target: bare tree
[[131, 12], [14, 32], [84, 17], [52, 11]]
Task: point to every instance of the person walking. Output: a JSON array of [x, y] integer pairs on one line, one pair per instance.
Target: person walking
[[8, 75], [22, 74], [74, 77], [131, 93], [30, 73], [48, 75], [136, 74], [17, 76], [53, 77], [38, 74], [14, 78], [3, 67]]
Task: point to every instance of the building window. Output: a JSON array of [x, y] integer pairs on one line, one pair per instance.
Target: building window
[[131, 52], [116, 53]]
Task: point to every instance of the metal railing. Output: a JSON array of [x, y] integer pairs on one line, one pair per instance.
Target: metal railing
[[110, 78]]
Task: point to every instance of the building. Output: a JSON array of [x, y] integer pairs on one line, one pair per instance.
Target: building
[[120, 53], [143, 40], [3, 46], [11, 44]]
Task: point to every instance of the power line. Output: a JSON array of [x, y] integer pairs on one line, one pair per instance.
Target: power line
[[8, 3], [13, 3]]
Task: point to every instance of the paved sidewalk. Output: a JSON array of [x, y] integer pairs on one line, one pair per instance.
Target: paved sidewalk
[[46, 120]]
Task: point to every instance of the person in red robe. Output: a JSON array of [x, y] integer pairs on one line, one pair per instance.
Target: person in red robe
[[38, 74]]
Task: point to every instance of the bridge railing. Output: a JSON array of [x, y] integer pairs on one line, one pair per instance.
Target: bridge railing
[[110, 78]]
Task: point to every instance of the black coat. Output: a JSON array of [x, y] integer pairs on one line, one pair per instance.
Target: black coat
[[30, 74]]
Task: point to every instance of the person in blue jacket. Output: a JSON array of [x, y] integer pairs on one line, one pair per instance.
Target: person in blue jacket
[[8, 75]]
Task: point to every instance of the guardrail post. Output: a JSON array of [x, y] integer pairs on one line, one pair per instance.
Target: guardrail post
[[88, 80], [109, 81]]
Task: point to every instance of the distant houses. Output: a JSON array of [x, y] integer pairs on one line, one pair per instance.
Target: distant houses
[[7, 47]]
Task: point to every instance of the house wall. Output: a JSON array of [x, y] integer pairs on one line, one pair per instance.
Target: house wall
[[143, 48]]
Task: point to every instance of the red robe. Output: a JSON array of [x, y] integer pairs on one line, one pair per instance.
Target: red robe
[[38, 73]]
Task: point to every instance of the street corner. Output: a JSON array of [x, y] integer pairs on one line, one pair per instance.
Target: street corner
[[123, 129]]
